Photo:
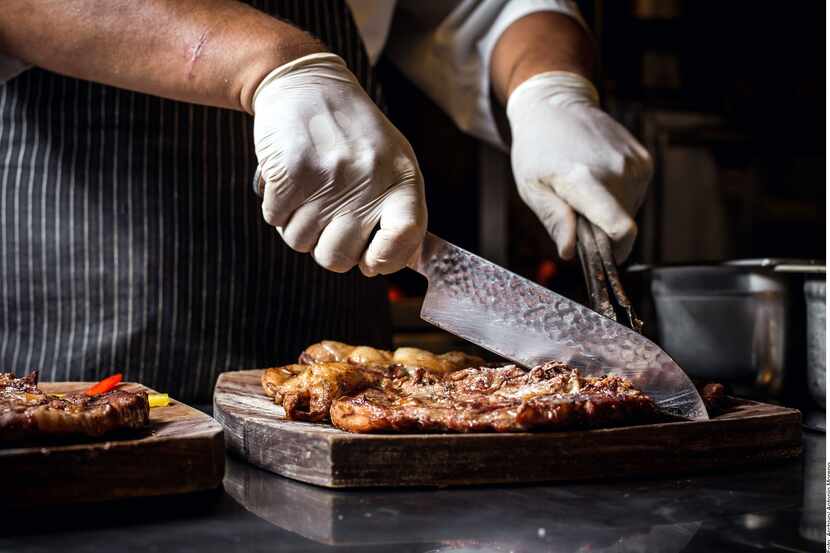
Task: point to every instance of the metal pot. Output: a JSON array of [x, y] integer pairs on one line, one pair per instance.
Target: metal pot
[[814, 294], [741, 322], [723, 323]]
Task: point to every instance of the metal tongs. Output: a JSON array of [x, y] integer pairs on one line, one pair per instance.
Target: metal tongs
[[597, 258]]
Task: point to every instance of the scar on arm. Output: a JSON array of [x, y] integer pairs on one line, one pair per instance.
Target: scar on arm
[[195, 51]]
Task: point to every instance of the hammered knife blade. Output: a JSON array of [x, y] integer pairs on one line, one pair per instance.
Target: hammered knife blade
[[528, 324]]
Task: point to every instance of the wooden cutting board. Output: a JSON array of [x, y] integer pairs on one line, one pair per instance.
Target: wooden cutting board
[[255, 429], [181, 451]]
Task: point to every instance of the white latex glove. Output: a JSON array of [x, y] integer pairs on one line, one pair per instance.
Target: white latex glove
[[569, 156], [334, 168]]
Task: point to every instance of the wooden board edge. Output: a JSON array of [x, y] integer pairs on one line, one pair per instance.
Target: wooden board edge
[[686, 449], [315, 466], [100, 481], [768, 457]]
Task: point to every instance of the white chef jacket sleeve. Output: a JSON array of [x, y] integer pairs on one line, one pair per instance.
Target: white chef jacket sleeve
[[445, 47], [10, 68]]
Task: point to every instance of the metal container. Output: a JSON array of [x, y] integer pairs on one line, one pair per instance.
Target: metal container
[[724, 322], [815, 294], [743, 323]]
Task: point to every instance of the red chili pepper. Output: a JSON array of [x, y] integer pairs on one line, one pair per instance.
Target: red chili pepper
[[105, 385]]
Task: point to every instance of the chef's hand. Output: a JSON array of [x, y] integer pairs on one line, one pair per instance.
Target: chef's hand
[[335, 168], [570, 157]]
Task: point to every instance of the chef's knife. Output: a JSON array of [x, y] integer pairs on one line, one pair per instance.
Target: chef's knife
[[528, 324]]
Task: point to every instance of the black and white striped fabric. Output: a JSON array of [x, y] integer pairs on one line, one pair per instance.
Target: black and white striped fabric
[[130, 239]]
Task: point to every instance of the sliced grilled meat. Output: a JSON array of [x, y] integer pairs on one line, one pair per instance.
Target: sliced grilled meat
[[27, 413], [552, 396]]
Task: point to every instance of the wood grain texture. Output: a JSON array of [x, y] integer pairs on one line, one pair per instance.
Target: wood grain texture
[[747, 433], [181, 451]]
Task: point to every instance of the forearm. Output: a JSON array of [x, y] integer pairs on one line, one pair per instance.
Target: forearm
[[539, 42], [212, 52]]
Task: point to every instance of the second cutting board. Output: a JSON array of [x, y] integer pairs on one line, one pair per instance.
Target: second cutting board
[[180, 451]]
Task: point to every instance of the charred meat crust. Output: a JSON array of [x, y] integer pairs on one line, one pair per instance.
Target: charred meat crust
[[29, 413], [505, 399]]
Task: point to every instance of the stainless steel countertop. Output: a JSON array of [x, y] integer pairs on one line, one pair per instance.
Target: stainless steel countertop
[[778, 508]]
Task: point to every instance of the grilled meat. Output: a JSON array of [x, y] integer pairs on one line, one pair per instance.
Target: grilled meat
[[445, 363], [552, 396], [329, 351], [330, 369], [363, 389], [308, 396], [28, 413], [714, 397], [273, 379]]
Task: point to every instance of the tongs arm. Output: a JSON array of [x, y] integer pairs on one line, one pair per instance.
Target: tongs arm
[[600, 270]]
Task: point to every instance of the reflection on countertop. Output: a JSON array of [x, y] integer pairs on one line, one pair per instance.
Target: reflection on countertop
[[778, 508]]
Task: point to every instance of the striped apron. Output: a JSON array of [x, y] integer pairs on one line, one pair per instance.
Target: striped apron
[[130, 239]]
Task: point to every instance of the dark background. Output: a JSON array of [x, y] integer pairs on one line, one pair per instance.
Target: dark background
[[751, 72]]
